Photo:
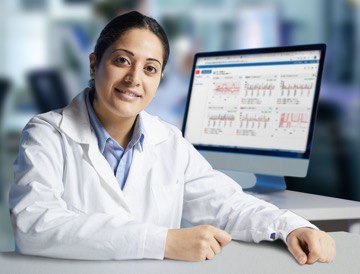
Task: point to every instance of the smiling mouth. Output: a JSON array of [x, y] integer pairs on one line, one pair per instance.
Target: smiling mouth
[[127, 92]]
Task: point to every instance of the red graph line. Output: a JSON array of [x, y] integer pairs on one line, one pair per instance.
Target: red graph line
[[227, 88], [289, 120]]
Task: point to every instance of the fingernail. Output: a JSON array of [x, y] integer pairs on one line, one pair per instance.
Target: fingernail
[[302, 259]]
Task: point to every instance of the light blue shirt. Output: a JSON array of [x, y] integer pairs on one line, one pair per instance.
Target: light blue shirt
[[118, 158]]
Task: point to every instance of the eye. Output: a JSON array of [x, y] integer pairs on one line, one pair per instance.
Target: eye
[[151, 69], [121, 61]]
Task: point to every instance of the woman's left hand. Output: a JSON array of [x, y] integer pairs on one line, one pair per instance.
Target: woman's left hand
[[308, 246]]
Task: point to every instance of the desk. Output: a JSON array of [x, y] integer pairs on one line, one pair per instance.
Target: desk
[[237, 257], [316, 207]]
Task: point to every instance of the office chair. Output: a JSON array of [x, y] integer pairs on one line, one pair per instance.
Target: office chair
[[5, 85], [48, 89]]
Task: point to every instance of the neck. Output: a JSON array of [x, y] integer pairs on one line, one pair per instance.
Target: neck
[[119, 128]]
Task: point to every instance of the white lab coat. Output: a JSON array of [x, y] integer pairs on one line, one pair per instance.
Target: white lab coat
[[66, 202]]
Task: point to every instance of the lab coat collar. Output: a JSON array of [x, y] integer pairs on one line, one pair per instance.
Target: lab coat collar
[[154, 131], [75, 120]]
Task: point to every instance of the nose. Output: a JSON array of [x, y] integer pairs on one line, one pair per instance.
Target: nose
[[132, 78]]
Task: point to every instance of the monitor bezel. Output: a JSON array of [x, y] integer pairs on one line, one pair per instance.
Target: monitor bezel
[[277, 153]]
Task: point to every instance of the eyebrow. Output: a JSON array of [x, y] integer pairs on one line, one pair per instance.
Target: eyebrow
[[132, 54]]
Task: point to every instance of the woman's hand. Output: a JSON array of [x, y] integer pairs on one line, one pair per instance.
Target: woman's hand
[[308, 246], [195, 243]]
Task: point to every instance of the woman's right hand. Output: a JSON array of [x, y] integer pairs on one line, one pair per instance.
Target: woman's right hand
[[195, 243]]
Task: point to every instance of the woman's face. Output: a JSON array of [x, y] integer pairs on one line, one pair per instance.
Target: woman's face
[[128, 75]]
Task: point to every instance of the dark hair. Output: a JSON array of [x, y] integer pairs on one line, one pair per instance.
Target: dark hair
[[125, 22]]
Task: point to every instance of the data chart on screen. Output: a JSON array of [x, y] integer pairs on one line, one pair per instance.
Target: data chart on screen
[[255, 101]]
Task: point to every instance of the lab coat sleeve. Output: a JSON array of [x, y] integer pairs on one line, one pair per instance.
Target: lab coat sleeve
[[45, 225], [213, 198]]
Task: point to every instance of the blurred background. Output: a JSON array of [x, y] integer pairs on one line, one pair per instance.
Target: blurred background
[[44, 48]]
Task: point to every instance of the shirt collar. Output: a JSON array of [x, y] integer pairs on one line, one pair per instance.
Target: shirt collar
[[103, 136], [138, 134]]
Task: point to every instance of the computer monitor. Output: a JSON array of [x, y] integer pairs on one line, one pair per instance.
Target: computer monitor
[[253, 111]]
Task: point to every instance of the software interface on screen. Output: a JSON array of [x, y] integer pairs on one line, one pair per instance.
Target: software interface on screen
[[253, 101]]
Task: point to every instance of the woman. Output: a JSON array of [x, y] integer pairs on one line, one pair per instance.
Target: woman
[[102, 179]]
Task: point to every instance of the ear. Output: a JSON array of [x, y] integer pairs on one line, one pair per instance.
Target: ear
[[92, 61]]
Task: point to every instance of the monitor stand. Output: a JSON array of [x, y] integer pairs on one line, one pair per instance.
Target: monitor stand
[[244, 179], [265, 185], [268, 183], [256, 183], [253, 182]]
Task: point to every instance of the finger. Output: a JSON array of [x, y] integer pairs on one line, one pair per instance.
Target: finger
[[326, 252], [210, 254], [215, 246], [328, 247], [315, 250], [222, 237], [313, 256], [297, 251]]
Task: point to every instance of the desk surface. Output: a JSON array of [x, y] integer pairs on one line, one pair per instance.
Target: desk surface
[[237, 257], [314, 207]]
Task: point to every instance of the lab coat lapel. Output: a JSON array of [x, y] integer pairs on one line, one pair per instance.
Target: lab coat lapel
[[142, 162], [144, 158], [75, 123], [104, 170]]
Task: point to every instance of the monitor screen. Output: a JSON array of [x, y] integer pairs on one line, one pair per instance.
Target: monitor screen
[[255, 103]]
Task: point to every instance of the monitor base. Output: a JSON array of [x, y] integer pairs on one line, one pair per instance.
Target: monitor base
[[267, 183], [257, 185], [244, 179], [256, 182]]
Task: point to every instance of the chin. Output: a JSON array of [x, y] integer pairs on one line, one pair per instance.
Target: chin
[[126, 114]]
